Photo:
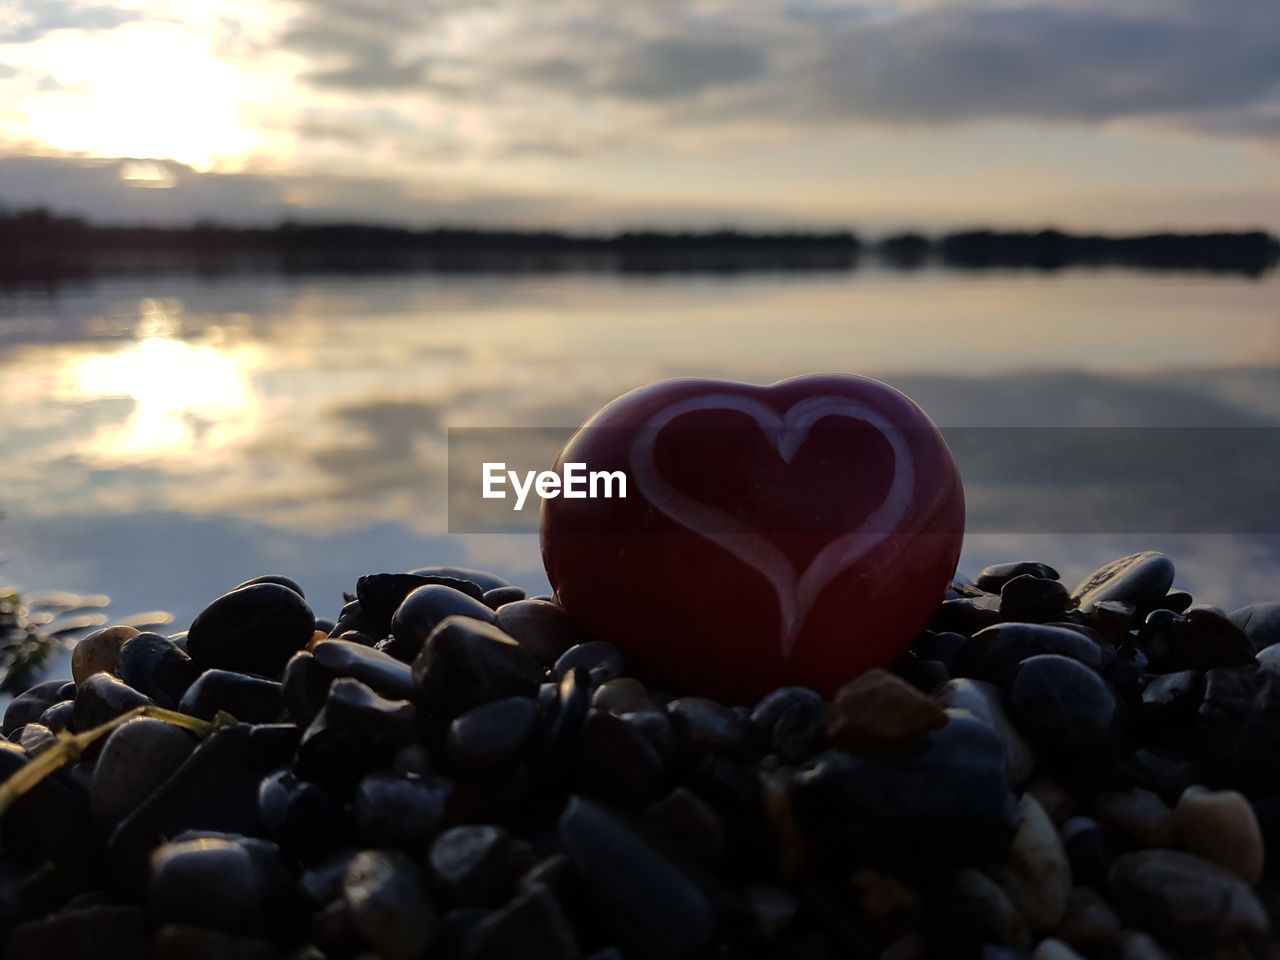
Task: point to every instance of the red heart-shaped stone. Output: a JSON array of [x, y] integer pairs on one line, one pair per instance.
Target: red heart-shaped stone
[[799, 533]]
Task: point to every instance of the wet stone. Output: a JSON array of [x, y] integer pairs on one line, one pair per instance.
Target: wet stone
[[602, 661], [623, 695], [58, 717], [541, 627], [1036, 876], [1062, 705], [499, 596], [466, 663], [135, 759], [103, 697], [28, 706], [98, 652], [355, 732], [1031, 599], [983, 701], [943, 647], [249, 699], [1138, 816], [1239, 725], [994, 654], [702, 725], [1260, 622], [395, 810], [565, 715], [1221, 827], [1202, 640], [800, 732], [278, 579], [481, 578], [649, 904], [300, 816], [1142, 579], [690, 825], [531, 925], [305, 685], [879, 709], [97, 932], [1087, 850], [617, 762], [1172, 698], [377, 670], [389, 904], [1185, 901], [49, 823], [472, 865], [381, 594], [254, 629], [966, 615], [492, 734], [993, 578], [36, 737], [234, 885], [423, 610]]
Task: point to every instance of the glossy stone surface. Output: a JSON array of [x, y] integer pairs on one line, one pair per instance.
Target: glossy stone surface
[[254, 629], [802, 532]]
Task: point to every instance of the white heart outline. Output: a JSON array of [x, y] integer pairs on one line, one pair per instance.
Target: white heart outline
[[796, 595]]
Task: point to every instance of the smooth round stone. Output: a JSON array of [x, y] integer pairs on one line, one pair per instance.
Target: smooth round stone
[[1139, 816], [1036, 876], [355, 732], [775, 704], [423, 610], [1062, 705], [1260, 623], [135, 759], [975, 909], [59, 717], [499, 596], [28, 706], [298, 815], [983, 701], [471, 865], [622, 695], [1172, 697], [214, 882], [248, 699], [84, 932], [1202, 640], [1142, 579], [389, 904], [1220, 826], [380, 671], [481, 578], [175, 941], [465, 663], [36, 738], [749, 501], [1185, 901], [154, 665], [565, 715], [994, 577], [1089, 924], [379, 595], [1032, 599], [603, 661], [704, 726], [276, 578], [492, 734], [651, 905], [400, 811], [879, 709], [800, 732], [1087, 851], [994, 652], [542, 628], [253, 629], [1269, 657], [691, 825], [98, 651], [531, 924], [617, 762], [103, 697], [1051, 948], [943, 646]]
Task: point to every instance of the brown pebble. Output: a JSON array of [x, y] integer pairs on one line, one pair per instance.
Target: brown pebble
[[791, 848], [878, 709], [98, 652], [1220, 826]]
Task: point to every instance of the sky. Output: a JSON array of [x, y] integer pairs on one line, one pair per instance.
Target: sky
[[1116, 115]]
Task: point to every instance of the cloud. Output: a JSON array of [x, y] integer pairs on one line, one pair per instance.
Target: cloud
[[25, 22], [359, 43], [676, 67]]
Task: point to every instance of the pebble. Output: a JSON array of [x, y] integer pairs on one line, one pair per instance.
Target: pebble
[[541, 627], [1031, 599], [381, 594], [276, 578], [301, 817], [395, 810], [226, 884], [36, 737], [58, 717], [1037, 875], [623, 695], [977, 910], [254, 629], [994, 653], [705, 726], [305, 685], [602, 661], [92, 932], [471, 865], [481, 578], [424, 609], [28, 706], [50, 823], [1052, 948], [103, 697], [491, 735], [499, 596], [1185, 901], [247, 698], [891, 906], [1136, 945], [617, 762], [1089, 924], [1062, 705], [135, 759], [879, 709], [355, 732], [1260, 623], [1142, 579], [1269, 657], [1202, 640], [649, 904], [179, 942], [994, 577], [465, 663], [690, 825], [531, 925], [389, 904], [983, 700], [98, 651], [379, 671], [1221, 827], [943, 647], [1087, 850]]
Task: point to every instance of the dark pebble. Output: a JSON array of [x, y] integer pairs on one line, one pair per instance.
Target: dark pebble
[[994, 653], [532, 925], [1202, 640], [943, 647], [471, 865], [50, 823], [27, 706], [1260, 623], [381, 594], [355, 732], [424, 609], [617, 762], [465, 663], [542, 628], [481, 578], [97, 932], [175, 941], [249, 699], [251, 630], [1031, 599], [103, 697], [492, 735], [59, 717], [602, 661], [1063, 706], [153, 665], [380, 671], [994, 577], [966, 615], [232, 885], [1087, 850], [300, 816], [702, 725], [395, 810], [1142, 579], [135, 759], [305, 685], [1238, 726], [276, 578], [389, 904], [498, 596]]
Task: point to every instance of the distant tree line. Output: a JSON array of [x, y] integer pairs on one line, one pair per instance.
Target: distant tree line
[[37, 244]]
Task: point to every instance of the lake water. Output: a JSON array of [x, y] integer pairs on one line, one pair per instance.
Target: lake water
[[164, 438]]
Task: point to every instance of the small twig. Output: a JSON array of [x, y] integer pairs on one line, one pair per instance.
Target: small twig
[[70, 746]]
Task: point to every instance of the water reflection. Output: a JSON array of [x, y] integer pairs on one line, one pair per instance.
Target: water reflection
[[165, 438]]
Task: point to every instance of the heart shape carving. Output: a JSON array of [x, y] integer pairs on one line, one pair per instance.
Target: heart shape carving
[[796, 590]]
